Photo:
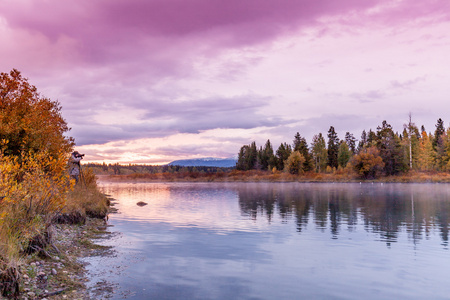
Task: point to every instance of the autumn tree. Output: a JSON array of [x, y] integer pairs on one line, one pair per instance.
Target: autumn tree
[[34, 149], [28, 121], [426, 154], [319, 152], [368, 163], [301, 145], [295, 162], [446, 167], [333, 148]]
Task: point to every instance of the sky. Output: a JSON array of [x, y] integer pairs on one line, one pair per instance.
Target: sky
[[152, 81]]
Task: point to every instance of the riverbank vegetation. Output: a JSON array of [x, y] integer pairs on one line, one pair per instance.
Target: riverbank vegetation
[[35, 189], [411, 154]]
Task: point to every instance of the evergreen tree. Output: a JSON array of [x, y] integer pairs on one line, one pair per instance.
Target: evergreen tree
[[439, 144], [319, 152], [333, 148], [301, 145], [240, 164], [372, 138], [363, 142], [282, 155], [351, 142], [440, 130], [247, 157], [266, 157], [446, 166], [390, 149], [344, 154]]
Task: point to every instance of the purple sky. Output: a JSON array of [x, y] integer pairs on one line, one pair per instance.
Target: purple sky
[[150, 81]]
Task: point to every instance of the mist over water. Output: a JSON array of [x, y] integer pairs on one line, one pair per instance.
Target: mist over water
[[278, 241]]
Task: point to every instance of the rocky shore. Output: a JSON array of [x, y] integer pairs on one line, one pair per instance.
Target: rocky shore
[[59, 272]]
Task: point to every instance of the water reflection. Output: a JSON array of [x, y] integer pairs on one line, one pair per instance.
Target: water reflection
[[386, 209], [278, 241]]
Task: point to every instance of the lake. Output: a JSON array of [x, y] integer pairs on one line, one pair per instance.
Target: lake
[[277, 241]]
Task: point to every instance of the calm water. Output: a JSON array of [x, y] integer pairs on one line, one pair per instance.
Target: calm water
[[278, 241]]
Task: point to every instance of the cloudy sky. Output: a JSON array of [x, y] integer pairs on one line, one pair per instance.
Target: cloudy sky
[[150, 81]]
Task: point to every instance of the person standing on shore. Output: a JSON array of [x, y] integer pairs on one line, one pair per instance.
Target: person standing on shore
[[74, 165]]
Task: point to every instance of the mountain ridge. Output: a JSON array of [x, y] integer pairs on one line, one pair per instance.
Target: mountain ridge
[[206, 162]]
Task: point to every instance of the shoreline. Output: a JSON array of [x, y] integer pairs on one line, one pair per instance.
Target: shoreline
[[62, 274], [261, 176]]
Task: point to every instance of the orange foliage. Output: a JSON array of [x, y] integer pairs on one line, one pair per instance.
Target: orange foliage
[[29, 122], [33, 159], [368, 163]]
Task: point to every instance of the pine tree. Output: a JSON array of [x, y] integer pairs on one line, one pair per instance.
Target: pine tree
[[266, 157], [247, 158], [390, 149], [440, 130], [363, 142], [439, 144], [333, 148], [351, 142], [282, 155], [372, 138]]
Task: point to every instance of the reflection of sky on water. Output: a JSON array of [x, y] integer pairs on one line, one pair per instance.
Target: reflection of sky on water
[[283, 241], [183, 205]]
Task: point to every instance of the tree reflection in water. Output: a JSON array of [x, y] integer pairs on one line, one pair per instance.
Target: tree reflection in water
[[385, 209]]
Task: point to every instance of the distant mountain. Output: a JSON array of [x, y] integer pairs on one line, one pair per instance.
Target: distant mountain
[[206, 162]]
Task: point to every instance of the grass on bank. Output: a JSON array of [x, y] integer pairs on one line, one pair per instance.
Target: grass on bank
[[85, 200], [30, 207], [339, 175]]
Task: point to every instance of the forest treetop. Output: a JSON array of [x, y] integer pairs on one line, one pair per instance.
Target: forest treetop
[[380, 152]]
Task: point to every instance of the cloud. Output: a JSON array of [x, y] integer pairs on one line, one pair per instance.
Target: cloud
[[137, 69], [408, 84], [368, 97], [164, 118]]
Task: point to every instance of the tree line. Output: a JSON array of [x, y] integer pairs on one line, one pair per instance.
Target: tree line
[[377, 153], [127, 169]]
